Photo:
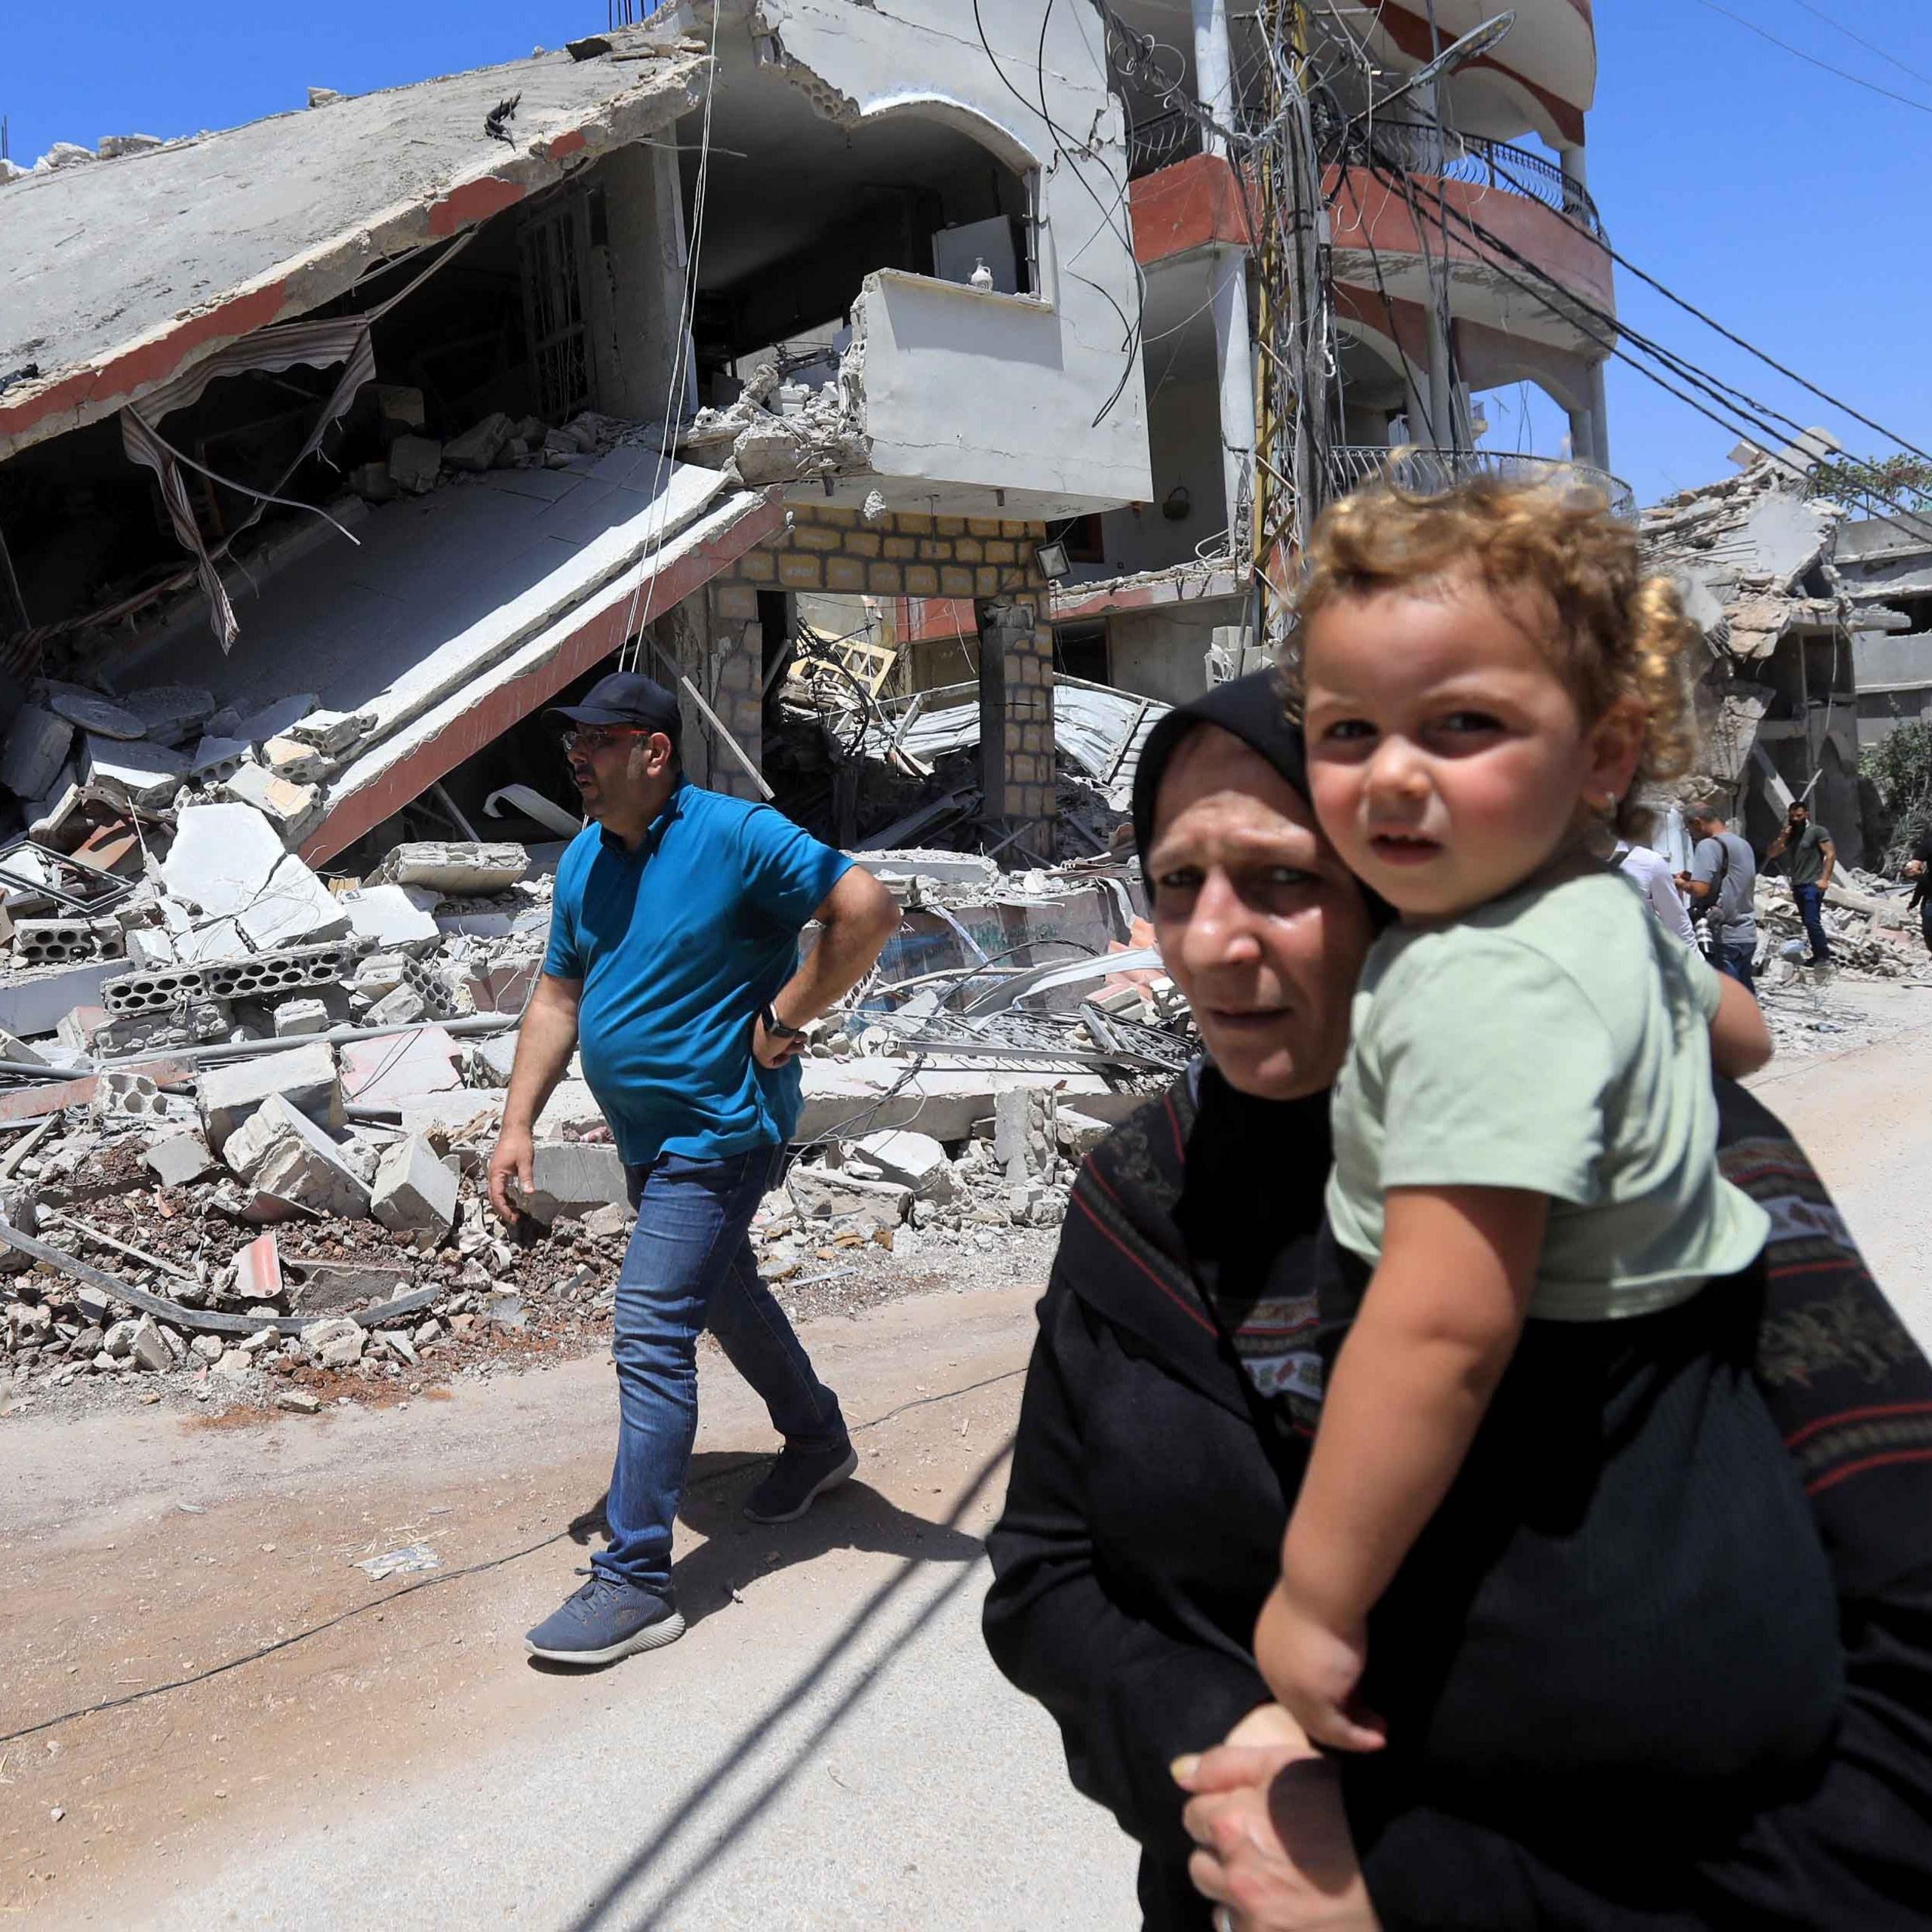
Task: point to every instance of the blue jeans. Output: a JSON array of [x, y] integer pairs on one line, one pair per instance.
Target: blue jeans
[[1810, 899], [1735, 957], [690, 1266]]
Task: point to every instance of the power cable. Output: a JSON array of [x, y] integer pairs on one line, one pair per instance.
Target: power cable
[[1711, 322], [1812, 59], [302, 1635], [1751, 416], [1870, 46]]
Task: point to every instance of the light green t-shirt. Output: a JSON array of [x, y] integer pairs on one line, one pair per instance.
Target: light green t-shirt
[[1555, 1041]]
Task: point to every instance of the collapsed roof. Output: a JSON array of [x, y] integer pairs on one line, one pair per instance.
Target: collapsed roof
[[121, 273]]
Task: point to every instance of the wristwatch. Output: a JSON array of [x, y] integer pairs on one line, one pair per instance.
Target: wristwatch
[[777, 1028]]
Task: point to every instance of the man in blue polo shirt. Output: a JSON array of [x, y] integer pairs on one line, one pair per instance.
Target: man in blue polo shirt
[[673, 966]]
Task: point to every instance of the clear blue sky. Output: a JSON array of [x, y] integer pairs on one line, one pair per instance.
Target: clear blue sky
[[1790, 203]]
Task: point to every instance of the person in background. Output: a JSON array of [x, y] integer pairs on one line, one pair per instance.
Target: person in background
[[1810, 859], [1918, 869], [1721, 887], [1650, 872], [674, 965]]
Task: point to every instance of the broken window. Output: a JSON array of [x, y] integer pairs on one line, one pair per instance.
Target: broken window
[[553, 307]]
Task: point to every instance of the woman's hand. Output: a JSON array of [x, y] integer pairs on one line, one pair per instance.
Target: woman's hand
[[1314, 1670], [1275, 1853]]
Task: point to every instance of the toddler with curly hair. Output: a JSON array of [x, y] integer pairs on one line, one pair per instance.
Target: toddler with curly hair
[[1547, 1531]]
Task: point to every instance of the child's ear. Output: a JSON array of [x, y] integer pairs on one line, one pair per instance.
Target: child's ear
[[1614, 746]]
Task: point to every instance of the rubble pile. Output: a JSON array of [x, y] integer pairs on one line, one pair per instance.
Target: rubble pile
[[243, 1141], [784, 431]]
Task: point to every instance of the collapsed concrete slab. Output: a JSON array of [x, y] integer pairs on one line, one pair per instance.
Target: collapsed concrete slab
[[247, 893], [945, 1103]]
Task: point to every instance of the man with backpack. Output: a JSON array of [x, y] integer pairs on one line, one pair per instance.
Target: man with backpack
[[1720, 888]]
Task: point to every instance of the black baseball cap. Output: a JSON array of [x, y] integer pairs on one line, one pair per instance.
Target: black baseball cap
[[624, 697]]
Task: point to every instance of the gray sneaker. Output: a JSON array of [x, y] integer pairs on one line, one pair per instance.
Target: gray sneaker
[[798, 1479], [607, 1620]]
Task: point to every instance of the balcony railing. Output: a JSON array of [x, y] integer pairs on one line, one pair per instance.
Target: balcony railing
[[1160, 143], [1414, 147], [1420, 149], [1425, 472]]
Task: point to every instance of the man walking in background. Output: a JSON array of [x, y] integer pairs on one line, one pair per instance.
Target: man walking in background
[[674, 961], [1721, 887], [1809, 860]]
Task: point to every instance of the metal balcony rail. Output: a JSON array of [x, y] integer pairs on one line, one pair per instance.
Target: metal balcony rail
[[1160, 143], [1425, 472], [1421, 148], [1415, 147]]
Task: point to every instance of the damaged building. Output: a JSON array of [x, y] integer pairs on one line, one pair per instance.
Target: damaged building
[[336, 447], [1430, 316], [1791, 602], [381, 425]]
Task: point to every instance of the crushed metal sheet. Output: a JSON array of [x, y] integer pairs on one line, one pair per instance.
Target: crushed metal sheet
[[410, 1560]]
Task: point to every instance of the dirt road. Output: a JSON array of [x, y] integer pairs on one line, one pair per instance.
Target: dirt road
[[828, 1748]]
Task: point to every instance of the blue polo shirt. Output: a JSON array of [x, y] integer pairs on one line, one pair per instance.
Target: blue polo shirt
[[679, 945]]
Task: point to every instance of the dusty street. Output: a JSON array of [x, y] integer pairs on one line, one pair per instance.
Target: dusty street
[[827, 1747]]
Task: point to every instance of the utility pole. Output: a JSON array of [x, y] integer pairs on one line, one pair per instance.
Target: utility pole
[[1297, 321]]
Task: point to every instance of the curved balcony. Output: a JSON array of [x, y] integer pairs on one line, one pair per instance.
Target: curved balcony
[[1420, 149], [1425, 472]]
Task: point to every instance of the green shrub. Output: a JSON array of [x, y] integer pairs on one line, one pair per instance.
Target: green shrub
[[1900, 766]]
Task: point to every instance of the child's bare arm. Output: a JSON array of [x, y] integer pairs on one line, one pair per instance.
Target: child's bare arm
[[1740, 1040], [1435, 1331]]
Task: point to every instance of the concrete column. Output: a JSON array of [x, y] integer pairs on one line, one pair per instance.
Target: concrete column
[[1575, 171], [1600, 418], [1582, 436], [1441, 421], [1214, 68], [1017, 752], [1234, 365]]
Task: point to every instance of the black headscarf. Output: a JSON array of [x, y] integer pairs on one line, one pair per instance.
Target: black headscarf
[[1252, 709], [1212, 1191]]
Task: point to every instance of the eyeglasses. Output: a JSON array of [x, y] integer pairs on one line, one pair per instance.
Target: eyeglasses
[[595, 737]]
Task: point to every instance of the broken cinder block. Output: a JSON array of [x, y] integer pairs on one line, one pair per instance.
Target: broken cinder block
[[570, 1178], [304, 1076], [414, 1189]]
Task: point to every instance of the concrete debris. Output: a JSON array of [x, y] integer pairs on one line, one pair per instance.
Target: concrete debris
[[915, 1161], [948, 1108], [458, 871], [305, 1077], [35, 749], [179, 1159], [388, 917], [571, 1179], [413, 1189]]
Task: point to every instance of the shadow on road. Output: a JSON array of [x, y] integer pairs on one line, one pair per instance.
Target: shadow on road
[[865, 1521]]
